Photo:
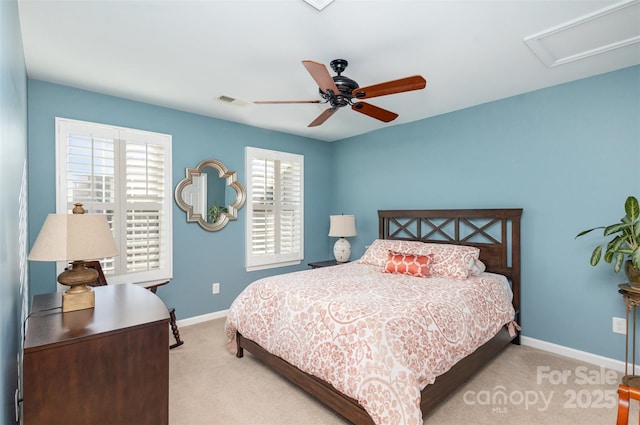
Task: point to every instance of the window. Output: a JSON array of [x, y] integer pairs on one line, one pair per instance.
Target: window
[[275, 220], [125, 174]]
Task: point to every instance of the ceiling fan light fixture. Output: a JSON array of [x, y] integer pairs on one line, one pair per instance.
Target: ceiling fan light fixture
[[319, 4]]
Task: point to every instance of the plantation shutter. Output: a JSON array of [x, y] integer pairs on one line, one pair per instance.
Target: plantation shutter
[[126, 175], [144, 201], [275, 213]]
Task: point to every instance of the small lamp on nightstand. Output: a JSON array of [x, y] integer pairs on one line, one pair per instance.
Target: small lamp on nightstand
[[342, 226], [75, 238]]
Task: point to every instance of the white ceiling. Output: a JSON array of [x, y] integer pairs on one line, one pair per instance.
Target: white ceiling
[[185, 54]]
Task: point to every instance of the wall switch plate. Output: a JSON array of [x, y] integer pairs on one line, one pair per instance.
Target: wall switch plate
[[215, 288], [619, 325]]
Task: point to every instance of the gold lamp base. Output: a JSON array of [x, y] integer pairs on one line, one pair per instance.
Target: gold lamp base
[[78, 301], [79, 296]]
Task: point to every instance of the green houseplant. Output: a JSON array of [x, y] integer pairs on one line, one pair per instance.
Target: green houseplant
[[214, 212], [624, 243]]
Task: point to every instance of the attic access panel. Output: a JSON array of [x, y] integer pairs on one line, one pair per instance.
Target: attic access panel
[[611, 28]]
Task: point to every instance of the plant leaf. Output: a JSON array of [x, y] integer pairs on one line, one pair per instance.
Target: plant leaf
[[595, 256], [584, 232], [632, 208], [619, 261], [635, 258], [608, 256], [616, 243], [615, 228]]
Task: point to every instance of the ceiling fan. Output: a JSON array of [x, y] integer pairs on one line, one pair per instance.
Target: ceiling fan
[[339, 91]]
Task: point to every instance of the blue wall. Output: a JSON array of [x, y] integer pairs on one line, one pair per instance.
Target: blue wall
[[200, 257], [569, 155], [13, 203]]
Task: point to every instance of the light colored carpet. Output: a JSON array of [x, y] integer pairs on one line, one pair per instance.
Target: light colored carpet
[[208, 385]]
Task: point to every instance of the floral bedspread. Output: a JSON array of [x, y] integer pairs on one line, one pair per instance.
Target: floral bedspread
[[379, 338]]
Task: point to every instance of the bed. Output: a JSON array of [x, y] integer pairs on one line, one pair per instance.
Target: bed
[[494, 232]]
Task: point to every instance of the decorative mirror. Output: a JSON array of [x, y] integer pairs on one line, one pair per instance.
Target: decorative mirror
[[210, 194]]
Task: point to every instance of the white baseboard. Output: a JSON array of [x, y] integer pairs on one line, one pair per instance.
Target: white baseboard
[[576, 354], [203, 318]]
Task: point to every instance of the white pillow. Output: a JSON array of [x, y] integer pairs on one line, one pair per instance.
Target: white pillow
[[378, 251], [449, 260], [477, 268]]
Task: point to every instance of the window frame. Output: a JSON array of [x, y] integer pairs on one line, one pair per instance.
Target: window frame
[[260, 262], [120, 137]]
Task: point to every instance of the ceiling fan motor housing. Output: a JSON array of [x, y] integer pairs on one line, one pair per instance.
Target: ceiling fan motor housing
[[344, 84]]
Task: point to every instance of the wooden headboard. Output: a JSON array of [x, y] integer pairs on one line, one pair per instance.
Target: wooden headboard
[[495, 231]]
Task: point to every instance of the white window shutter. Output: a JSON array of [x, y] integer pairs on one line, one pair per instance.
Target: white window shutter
[[275, 214], [125, 174]]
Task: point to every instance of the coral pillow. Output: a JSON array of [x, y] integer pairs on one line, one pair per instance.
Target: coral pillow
[[414, 265]]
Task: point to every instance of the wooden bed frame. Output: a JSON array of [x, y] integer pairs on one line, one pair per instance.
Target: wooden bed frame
[[495, 231]]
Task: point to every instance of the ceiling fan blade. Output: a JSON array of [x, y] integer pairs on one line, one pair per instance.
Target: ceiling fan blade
[[415, 82], [374, 111], [323, 117], [265, 102], [320, 73]]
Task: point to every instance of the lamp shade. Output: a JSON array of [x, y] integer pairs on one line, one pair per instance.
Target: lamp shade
[[73, 237], [342, 226]]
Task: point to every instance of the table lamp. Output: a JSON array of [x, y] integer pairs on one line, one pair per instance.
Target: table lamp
[[75, 238], [342, 226]]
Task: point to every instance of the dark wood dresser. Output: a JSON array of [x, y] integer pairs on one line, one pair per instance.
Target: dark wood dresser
[[106, 365]]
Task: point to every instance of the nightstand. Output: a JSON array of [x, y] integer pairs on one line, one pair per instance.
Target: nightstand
[[320, 264]]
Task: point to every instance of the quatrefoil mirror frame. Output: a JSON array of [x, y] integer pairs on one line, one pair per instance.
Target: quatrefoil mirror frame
[[231, 181]]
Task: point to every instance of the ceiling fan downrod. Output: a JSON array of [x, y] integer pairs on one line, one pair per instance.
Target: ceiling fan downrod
[[339, 65]]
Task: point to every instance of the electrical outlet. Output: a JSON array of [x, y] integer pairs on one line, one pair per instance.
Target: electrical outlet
[[619, 325], [216, 288]]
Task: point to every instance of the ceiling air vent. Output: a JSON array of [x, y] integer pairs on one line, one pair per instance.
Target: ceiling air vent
[[613, 27], [319, 4]]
